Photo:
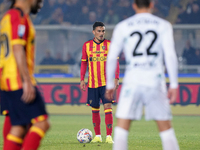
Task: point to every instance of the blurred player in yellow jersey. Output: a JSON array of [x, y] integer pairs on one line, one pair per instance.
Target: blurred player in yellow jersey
[[4, 109], [4, 104], [18, 87]]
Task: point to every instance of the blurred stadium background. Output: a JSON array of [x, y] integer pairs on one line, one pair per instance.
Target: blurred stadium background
[[64, 25]]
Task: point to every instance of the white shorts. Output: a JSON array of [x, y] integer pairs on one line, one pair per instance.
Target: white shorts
[[133, 98]]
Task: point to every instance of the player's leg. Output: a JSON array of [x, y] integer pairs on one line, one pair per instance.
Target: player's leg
[[15, 137], [36, 133], [108, 122], [40, 124], [96, 120], [129, 108], [94, 101], [167, 135], [108, 114], [158, 109], [27, 130], [121, 134]]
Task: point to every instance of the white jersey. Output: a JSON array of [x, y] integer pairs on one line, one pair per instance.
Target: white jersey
[[148, 44]]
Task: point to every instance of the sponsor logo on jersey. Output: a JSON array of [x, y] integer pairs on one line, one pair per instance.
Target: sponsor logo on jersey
[[102, 58], [98, 52], [150, 64], [21, 30]]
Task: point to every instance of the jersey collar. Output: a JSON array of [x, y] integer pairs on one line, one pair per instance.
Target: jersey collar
[[19, 9], [98, 43]]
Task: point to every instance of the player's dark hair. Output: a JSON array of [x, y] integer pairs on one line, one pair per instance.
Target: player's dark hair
[[142, 3], [12, 3], [98, 24]]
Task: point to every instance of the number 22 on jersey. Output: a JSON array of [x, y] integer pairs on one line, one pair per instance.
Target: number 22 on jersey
[[141, 36]]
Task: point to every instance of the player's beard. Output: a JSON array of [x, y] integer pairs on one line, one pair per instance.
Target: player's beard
[[101, 39], [35, 9]]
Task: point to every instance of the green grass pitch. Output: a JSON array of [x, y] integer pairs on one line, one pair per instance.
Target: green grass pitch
[[143, 135]]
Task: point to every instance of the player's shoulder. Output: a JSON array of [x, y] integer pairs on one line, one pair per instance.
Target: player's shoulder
[[15, 12], [107, 41], [161, 21], [163, 24], [89, 41], [13, 15]]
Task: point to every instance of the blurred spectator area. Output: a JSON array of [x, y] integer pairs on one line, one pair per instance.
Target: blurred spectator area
[[62, 46], [82, 12], [64, 25], [189, 12]]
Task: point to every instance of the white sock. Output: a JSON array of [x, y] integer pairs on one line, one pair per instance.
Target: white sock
[[169, 141], [98, 136], [120, 139]]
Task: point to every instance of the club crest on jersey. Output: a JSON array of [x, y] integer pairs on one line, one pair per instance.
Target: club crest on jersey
[[103, 47], [21, 30], [109, 126]]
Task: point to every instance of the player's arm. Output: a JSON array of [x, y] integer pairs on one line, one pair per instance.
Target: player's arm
[[171, 62], [84, 62], [114, 51], [28, 89], [18, 42], [117, 75]]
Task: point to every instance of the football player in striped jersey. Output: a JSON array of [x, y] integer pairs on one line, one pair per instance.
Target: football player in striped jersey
[[22, 99], [94, 55]]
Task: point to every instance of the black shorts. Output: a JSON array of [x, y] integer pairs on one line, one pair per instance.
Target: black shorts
[[4, 104], [21, 113], [94, 96]]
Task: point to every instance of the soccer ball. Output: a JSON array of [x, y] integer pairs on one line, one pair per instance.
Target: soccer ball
[[84, 136]]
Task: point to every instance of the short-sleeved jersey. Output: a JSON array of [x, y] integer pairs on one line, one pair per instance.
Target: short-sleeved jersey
[[16, 28], [147, 42], [96, 55]]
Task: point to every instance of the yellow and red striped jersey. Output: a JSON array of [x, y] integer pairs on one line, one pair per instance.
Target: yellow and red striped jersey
[[16, 28], [95, 54]]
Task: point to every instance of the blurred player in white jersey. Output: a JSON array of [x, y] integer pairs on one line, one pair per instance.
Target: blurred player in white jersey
[[147, 42]]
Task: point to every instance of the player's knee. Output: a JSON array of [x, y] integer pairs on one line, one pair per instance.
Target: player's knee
[[107, 105], [44, 125], [18, 131], [47, 125], [163, 125]]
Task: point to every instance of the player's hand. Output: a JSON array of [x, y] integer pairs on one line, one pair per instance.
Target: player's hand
[[28, 92], [109, 95], [82, 85], [116, 84], [172, 94]]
